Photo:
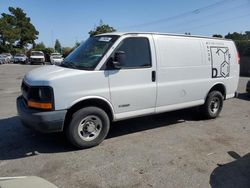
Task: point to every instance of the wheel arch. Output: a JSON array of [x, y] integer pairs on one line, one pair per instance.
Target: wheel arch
[[96, 101], [219, 87]]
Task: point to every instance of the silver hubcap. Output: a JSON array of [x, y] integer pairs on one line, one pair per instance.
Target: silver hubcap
[[214, 105], [89, 128]]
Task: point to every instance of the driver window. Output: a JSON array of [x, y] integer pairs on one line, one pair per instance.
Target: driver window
[[137, 52]]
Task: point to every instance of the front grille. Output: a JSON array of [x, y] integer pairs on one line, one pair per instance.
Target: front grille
[[37, 59]]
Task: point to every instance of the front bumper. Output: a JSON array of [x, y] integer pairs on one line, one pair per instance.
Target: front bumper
[[19, 60], [33, 60], [42, 121]]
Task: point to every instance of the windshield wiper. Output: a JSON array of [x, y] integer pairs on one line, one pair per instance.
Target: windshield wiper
[[69, 64]]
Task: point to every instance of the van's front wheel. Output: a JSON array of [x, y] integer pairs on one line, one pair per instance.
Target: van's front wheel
[[213, 105], [88, 127]]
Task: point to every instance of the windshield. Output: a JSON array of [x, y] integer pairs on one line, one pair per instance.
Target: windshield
[[20, 55], [88, 54], [57, 57], [36, 53], [55, 54]]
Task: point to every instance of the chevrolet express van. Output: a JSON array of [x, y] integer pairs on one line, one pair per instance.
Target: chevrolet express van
[[116, 76]]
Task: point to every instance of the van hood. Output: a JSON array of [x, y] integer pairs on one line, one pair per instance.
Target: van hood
[[47, 74]]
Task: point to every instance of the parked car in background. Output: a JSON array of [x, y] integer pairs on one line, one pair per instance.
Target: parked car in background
[[3, 59], [37, 57], [9, 57], [56, 58], [20, 58], [248, 87], [6, 58]]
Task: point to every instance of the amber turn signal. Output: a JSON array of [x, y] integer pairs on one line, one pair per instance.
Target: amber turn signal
[[41, 105]]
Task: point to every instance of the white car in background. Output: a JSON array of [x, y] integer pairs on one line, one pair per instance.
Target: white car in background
[[37, 57], [6, 58], [3, 59], [20, 58], [56, 58]]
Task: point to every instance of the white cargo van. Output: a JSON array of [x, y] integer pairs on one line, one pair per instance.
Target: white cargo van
[[116, 76]]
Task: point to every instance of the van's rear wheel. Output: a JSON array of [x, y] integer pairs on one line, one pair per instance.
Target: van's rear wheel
[[88, 127], [213, 105]]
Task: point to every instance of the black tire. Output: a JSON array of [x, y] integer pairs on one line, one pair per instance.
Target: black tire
[[73, 133], [213, 105]]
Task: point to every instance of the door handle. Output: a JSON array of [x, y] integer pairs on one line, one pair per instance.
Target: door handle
[[153, 76]]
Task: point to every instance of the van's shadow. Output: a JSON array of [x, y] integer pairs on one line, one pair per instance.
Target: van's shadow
[[235, 174], [244, 96], [18, 142]]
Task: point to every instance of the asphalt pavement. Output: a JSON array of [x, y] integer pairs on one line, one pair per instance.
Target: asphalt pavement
[[175, 149]]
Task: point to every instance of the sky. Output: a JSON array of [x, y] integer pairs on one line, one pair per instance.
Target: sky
[[71, 20]]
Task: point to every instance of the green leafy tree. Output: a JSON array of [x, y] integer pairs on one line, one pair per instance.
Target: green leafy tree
[[77, 44], [8, 33], [40, 47], [247, 34], [48, 50], [16, 29], [217, 35], [102, 28], [28, 33], [66, 51], [58, 46], [236, 36], [242, 41]]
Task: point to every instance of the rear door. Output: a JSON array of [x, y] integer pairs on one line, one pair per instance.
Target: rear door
[[133, 87]]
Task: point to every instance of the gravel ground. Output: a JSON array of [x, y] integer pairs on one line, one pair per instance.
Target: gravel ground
[[175, 149]]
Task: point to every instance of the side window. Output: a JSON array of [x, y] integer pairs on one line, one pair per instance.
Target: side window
[[137, 52]]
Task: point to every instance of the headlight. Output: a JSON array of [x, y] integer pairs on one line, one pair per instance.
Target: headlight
[[41, 97]]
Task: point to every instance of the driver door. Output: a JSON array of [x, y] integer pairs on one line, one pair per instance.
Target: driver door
[[133, 86]]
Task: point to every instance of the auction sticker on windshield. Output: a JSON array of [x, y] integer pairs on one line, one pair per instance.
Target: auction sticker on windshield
[[105, 39]]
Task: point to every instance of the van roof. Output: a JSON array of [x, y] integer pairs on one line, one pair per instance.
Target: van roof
[[158, 33]]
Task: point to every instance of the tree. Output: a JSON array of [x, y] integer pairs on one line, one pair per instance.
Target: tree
[[66, 51], [16, 29], [28, 33], [58, 46], [102, 28], [247, 34], [77, 44], [217, 35], [236, 36], [48, 50], [8, 33], [242, 41], [40, 47]]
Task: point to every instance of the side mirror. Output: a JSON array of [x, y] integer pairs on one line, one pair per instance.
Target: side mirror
[[119, 59]]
